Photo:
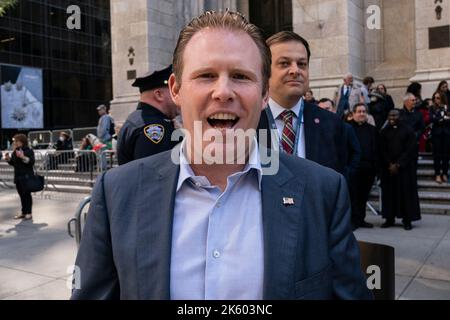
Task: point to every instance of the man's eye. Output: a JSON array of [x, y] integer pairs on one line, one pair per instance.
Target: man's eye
[[302, 65], [284, 64], [206, 76], [240, 76]]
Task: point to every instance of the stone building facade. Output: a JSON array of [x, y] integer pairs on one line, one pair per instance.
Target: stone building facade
[[395, 42]]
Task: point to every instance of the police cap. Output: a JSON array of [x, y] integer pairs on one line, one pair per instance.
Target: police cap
[[154, 80]]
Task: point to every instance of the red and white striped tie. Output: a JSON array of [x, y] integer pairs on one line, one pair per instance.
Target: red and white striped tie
[[288, 136]]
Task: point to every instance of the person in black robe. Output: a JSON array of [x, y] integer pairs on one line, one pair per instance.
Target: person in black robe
[[398, 173], [367, 168]]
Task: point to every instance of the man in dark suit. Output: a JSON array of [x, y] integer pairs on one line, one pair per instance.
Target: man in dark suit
[[190, 228], [303, 129]]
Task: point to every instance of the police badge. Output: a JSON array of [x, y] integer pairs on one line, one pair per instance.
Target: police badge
[[154, 132]]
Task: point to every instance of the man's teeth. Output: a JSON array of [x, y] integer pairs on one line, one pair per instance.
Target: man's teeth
[[223, 116]]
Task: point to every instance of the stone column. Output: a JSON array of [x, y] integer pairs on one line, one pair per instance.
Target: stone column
[[334, 30], [129, 28], [433, 65]]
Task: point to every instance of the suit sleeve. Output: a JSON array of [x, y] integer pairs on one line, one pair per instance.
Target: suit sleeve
[[354, 151], [98, 275], [348, 279]]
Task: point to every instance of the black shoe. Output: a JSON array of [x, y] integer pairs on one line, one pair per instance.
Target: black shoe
[[365, 224], [387, 224], [407, 226]]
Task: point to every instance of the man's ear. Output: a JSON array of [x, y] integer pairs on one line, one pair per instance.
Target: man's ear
[[174, 89], [265, 99], [158, 95]]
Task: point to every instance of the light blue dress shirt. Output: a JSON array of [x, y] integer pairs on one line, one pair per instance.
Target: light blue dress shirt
[[217, 239], [276, 110]]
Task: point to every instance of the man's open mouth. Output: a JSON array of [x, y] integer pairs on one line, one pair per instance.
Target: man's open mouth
[[223, 120]]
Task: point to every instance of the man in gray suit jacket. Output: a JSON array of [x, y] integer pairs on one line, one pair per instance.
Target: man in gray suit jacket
[[184, 224]]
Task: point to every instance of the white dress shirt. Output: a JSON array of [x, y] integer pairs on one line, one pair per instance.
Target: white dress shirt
[[217, 237], [276, 111]]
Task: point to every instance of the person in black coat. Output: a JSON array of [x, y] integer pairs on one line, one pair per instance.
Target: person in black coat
[[367, 167], [381, 88], [22, 159], [412, 117], [379, 108], [353, 152], [440, 137], [398, 150]]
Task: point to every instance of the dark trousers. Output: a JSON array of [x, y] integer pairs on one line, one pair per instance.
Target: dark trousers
[[25, 199], [362, 183], [441, 150]]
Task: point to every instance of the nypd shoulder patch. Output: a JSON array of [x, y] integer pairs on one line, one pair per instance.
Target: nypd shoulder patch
[[154, 132]]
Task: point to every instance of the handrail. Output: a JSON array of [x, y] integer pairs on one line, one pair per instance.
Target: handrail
[[77, 221]]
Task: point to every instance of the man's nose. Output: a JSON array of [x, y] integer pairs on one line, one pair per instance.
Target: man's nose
[[223, 90], [294, 69]]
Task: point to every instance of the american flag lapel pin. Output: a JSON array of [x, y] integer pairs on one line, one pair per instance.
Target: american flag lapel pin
[[288, 201]]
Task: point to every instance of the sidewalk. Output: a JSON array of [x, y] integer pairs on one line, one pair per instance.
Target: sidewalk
[[34, 256], [422, 256]]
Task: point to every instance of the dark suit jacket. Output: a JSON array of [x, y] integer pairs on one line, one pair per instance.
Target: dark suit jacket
[[325, 141], [309, 249]]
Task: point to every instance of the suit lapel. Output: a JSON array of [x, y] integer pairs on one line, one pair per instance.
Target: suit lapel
[[280, 224], [154, 230], [311, 132]]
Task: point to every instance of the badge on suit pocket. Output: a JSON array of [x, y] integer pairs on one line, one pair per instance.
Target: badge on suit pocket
[[154, 132]]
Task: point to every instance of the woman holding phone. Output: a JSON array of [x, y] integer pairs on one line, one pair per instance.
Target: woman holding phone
[[22, 159]]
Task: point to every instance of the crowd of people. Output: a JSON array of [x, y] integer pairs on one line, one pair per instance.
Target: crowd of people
[[390, 141]]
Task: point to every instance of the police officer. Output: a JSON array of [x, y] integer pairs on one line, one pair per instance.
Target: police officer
[[148, 130]]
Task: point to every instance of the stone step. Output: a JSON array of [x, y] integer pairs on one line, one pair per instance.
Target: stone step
[[425, 173], [431, 185], [429, 197], [425, 208]]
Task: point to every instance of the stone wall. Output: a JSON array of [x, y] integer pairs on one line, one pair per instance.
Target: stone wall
[[325, 24], [432, 65], [151, 27]]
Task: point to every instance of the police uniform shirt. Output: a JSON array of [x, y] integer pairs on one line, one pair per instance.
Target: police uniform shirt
[[147, 131]]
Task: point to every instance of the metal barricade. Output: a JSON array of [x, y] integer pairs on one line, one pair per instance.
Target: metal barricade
[[79, 220], [80, 133], [56, 133], [6, 173], [70, 170], [40, 139], [377, 187], [108, 160]]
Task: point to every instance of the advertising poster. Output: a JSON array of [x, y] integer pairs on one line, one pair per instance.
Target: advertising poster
[[21, 95]]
